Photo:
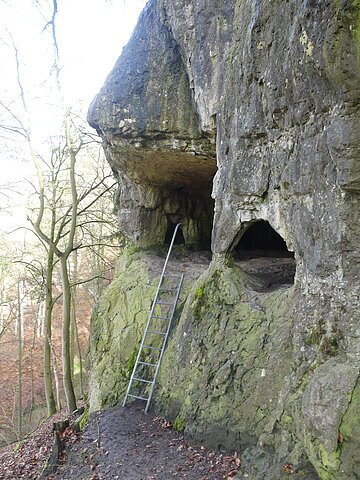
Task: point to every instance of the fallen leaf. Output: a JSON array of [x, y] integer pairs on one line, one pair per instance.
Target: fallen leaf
[[231, 474], [289, 468]]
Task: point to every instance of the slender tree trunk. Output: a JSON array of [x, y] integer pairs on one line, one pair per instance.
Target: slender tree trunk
[[20, 352], [35, 330], [56, 377], [66, 360], [79, 352], [73, 327], [72, 331], [49, 392]]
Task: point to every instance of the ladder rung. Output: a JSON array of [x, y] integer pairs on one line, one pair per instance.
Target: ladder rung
[[168, 289], [135, 396], [151, 348], [172, 275], [161, 302], [156, 333], [162, 318], [141, 380], [149, 364]]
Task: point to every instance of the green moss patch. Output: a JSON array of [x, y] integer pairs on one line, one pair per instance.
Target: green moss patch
[[179, 424]]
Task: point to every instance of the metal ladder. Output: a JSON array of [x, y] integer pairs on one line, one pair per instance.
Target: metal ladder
[[156, 333]]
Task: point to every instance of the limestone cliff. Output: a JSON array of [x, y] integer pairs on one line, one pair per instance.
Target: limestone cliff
[[258, 103]]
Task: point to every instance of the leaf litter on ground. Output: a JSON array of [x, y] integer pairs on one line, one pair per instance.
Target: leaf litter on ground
[[118, 443]]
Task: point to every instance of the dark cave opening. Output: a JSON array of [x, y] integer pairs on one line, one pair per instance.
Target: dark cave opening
[[179, 239], [263, 254], [194, 210], [260, 239]]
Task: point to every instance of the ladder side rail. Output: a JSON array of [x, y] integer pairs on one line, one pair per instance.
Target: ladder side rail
[[170, 250], [151, 312], [142, 343], [164, 344]]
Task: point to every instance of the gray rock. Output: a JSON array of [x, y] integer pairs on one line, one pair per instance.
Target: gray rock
[[258, 103]]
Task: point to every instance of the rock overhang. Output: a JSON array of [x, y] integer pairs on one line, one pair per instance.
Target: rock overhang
[[153, 139]]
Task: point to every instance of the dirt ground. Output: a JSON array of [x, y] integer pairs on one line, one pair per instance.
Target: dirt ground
[[127, 444], [118, 443]]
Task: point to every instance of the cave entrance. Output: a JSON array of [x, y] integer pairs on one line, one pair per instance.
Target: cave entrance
[[179, 239], [194, 210], [263, 254]]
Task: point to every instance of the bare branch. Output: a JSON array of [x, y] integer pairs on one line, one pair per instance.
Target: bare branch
[[82, 282], [51, 23]]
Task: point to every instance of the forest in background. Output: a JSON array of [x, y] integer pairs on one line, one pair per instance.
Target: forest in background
[[55, 259]]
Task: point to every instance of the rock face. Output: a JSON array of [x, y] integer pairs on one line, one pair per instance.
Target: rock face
[[153, 139], [258, 101]]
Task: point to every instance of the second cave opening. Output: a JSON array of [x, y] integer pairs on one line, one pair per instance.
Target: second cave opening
[[263, 254]]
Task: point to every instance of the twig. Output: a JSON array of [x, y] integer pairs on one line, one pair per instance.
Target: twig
[[98, 430]]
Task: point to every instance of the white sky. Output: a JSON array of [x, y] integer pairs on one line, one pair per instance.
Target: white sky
[[91, 35]]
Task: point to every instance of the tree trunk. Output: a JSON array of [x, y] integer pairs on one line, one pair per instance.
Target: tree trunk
[[73, 326], [20, 359], [49, 393], [66, 360], [72, 338], [56, 377], [36, 326], [79, 353]]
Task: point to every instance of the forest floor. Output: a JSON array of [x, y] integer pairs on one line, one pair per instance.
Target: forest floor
[[119, 443]]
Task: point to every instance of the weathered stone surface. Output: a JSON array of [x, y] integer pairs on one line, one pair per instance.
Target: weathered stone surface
[[116, 327], [234, 351], [153, 139], [120, 317], [273, 88]]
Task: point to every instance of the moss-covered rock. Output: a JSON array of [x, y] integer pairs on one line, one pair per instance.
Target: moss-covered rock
[[179, 424], [119, 319], [233, 350], [239, 382], [116, 327], [84, 418]]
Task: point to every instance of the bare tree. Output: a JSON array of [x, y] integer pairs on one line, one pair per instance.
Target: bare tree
[[66, 210], [66, 220]]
